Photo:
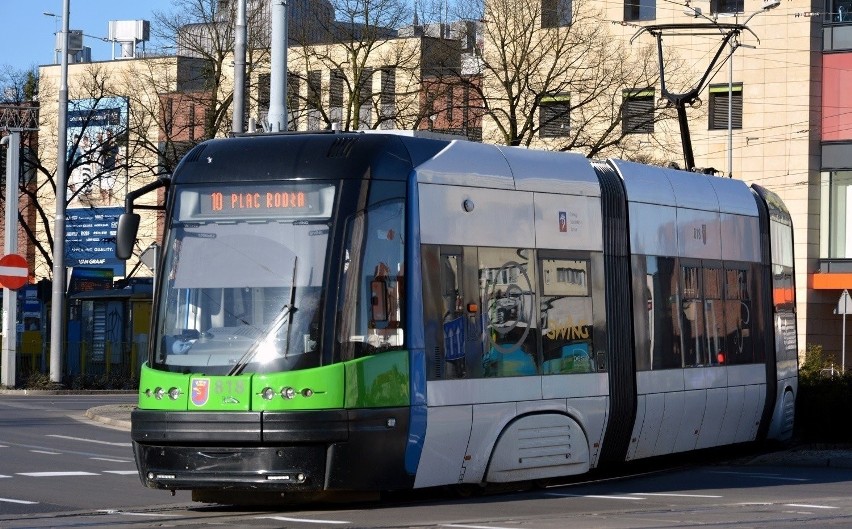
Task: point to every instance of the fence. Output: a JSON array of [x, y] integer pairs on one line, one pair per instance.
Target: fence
[[82, 362]]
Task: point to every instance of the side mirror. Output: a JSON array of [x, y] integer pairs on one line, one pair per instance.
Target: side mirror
[[125, 235]]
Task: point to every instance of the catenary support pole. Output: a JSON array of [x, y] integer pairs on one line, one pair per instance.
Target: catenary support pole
[[57, 310], [239, 68], [278, 65]]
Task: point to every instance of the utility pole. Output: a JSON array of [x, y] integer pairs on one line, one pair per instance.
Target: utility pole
[[239, 68], [57, 310], [278, 75]]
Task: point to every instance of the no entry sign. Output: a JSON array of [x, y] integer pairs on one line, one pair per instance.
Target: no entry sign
[[13, 271]]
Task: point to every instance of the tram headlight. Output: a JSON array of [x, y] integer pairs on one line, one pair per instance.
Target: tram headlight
[[267, 393], [174, 393], [288, 393], [307, 392], [159, 393]]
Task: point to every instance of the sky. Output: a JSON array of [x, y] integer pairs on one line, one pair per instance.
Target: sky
[[27, 35]]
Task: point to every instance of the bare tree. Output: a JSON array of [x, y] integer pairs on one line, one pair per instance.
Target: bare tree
[[359, 71], [203, 31], [551, 72]]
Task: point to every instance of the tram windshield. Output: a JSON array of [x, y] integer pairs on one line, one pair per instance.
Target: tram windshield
[[242, 278]]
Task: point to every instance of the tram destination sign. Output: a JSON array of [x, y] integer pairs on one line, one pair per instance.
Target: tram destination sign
[[250, 200]]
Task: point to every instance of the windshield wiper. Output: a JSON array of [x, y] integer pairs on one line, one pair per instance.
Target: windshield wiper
[[283, 317]]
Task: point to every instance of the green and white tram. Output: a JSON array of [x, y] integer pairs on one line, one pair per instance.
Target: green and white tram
[[353, 311]]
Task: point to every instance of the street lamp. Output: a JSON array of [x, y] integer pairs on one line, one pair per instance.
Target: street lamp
[[57, 311], [695, 12], [767, 5]]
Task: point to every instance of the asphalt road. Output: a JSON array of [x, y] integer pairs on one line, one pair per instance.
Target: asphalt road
[[62, 468]]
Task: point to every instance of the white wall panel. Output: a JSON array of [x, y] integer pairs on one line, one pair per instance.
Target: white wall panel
[[655, 405], [690, 425], [482, 390], [488, 421], [581, 228], [447, 435], [499, 217], [714, 414]]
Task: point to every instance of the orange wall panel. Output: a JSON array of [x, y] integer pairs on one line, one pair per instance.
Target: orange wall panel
[[836, 103]]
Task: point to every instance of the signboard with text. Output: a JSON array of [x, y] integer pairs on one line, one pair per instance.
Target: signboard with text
[[90, 238], [97, 151]]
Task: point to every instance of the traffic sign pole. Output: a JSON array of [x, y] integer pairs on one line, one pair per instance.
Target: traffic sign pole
[[844, 306]]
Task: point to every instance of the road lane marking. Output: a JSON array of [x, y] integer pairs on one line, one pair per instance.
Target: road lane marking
[[46, 452], [4, 476], [776, 477], [808, 506], [121, 472], [598, 496], [111, 460], [676, 495], [473, 526], [300, 520], [128, 513], [54, 474], [23, 502], [88, 440]]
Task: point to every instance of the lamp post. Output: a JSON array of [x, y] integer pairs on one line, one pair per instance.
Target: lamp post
[[57, 311], [767, 5]]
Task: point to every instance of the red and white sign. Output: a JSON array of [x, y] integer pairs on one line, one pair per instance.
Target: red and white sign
[[14, 271]]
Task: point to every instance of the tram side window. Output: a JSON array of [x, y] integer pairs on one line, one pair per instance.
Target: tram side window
[[692, 326], [370, 310], [507, 294], [738, 317], [783, 296], [714, 317], [454, 322], [655, 304], [566, 316]]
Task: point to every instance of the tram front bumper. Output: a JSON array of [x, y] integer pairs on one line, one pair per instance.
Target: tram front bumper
[[274, 451]]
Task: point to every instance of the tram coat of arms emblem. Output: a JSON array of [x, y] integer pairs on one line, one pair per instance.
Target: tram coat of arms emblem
[[200, 391]]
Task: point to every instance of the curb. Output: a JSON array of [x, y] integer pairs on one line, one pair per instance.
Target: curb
[[37, 392], [116, 415]]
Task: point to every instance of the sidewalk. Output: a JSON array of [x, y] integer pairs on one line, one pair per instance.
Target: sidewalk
[[811, 455]]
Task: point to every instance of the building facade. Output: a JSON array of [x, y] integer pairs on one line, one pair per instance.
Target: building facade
[[773, 114]]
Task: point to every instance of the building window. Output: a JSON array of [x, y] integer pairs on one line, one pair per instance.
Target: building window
[[191, 122], [554, 116], [637, 115], [387, 98], [169, 116], [365, 98], [293, 109], [335, 89], [719, 106], [555, 13], [726, 6], [640, 10], [838, 11], [840, 215], [263, 96]]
